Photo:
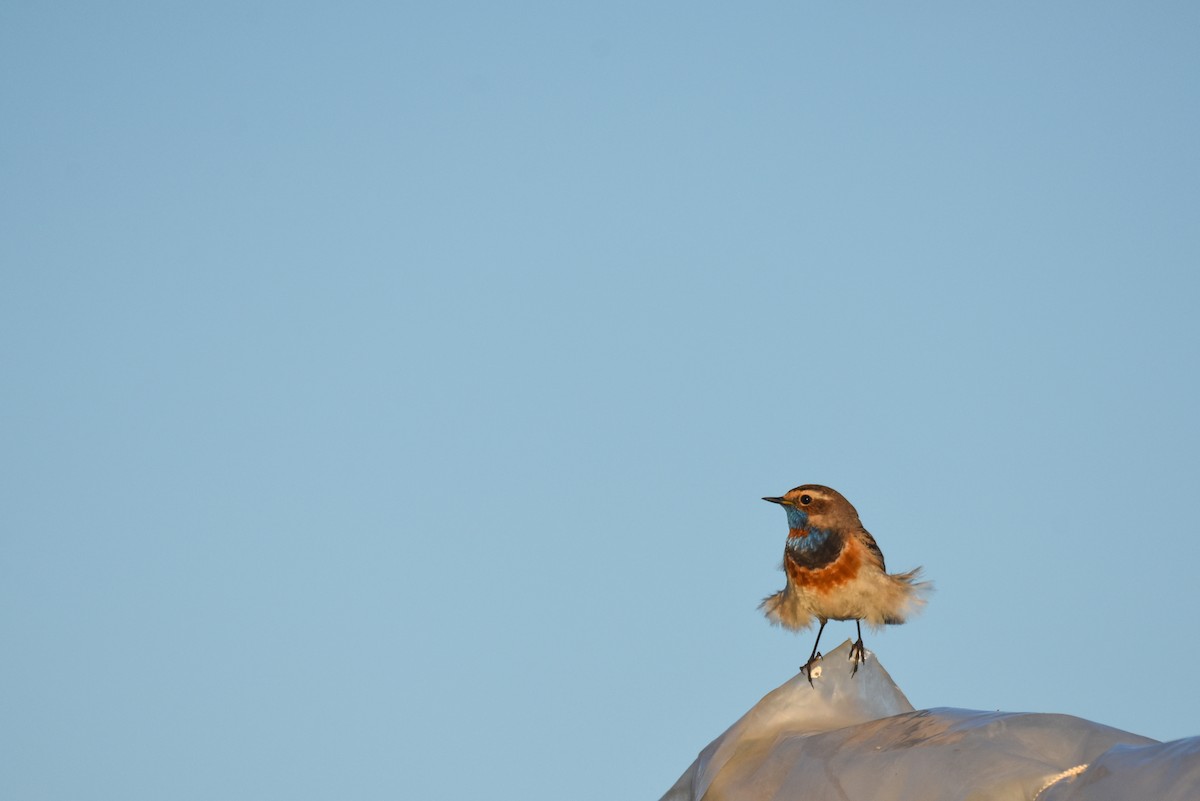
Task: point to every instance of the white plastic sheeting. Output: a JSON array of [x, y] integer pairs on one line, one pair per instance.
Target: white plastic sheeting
[[858, 738]]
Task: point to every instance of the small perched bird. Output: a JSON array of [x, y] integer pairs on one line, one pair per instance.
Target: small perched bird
[[835, 571]]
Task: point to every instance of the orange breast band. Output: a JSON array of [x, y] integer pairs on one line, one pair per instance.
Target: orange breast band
[[833, 575]]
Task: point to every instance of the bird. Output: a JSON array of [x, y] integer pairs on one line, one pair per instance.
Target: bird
[[835, 571]]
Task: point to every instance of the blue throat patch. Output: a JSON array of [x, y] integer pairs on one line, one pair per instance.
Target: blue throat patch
[[815, 539], [797, 518], [804, 546], [817, 548]]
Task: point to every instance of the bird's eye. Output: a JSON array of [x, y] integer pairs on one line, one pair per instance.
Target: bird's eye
[[806, 499]]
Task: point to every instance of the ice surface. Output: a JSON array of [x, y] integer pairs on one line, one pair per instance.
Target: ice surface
[[1162, 771], [851, 738]]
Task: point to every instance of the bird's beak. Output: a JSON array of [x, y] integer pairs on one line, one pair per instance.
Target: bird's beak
[[781, 501]]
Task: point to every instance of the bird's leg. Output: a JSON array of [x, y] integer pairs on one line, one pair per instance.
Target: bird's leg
[[858, 653], [814, 656]]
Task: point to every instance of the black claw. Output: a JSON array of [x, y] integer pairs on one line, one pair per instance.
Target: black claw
[[806, 669], [815, 655], [858, 655], [808, 666]]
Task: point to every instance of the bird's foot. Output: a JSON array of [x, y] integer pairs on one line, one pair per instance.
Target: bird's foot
[[807, 668], [858, 655]]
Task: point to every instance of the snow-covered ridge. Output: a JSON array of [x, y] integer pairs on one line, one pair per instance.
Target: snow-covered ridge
[[856, 738]]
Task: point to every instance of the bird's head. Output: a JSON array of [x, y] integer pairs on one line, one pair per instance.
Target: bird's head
[[813, 505]]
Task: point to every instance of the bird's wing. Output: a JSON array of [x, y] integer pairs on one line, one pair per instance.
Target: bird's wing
[[866, 539]]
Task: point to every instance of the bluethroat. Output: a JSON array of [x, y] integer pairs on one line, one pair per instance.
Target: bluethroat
[[835, 571]]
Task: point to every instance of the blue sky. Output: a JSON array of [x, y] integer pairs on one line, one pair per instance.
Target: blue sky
[[389, 389]]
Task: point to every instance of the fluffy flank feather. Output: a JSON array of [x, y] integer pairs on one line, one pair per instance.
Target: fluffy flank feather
[[782, 609], [910, 595]]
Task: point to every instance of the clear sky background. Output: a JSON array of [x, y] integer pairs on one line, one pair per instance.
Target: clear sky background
[[389, 389]]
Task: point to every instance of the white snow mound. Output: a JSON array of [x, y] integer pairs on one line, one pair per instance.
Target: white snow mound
[[858, 738]]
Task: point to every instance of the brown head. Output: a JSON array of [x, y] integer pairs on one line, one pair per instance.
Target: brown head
[[816, 506]]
